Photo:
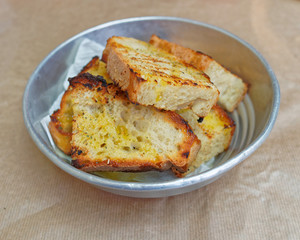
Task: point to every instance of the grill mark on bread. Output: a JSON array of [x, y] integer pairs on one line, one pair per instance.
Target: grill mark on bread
[[155, 77], [83, 161]]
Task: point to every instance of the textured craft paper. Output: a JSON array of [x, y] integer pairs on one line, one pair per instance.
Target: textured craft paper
[[258, 199]]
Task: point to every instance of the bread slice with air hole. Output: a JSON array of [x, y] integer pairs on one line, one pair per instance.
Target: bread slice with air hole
[[232, 88], [60, 125], [151, 76], [109, 133], [215, 132]]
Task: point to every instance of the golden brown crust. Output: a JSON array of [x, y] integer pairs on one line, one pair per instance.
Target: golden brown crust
[[88, 81], [94, 63], [60, 137], [117, 165], [60, 125], [196, 58], [188, 149], [228, 123], [96, 68]]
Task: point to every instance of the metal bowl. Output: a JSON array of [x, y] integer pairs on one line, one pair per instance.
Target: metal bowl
[[255, 117]]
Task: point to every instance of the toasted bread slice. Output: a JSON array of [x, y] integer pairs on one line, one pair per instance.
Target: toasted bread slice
[[215, 132], [151, 76], [60, 125], [109, 133], [232, 88]]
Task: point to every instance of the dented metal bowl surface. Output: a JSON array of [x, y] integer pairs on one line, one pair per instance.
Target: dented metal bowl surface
[[254, 117]]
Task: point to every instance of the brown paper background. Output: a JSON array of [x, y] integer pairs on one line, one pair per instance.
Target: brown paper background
[[258, 199]]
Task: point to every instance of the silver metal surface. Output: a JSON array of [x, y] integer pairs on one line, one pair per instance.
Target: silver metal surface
[[256, 116]]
